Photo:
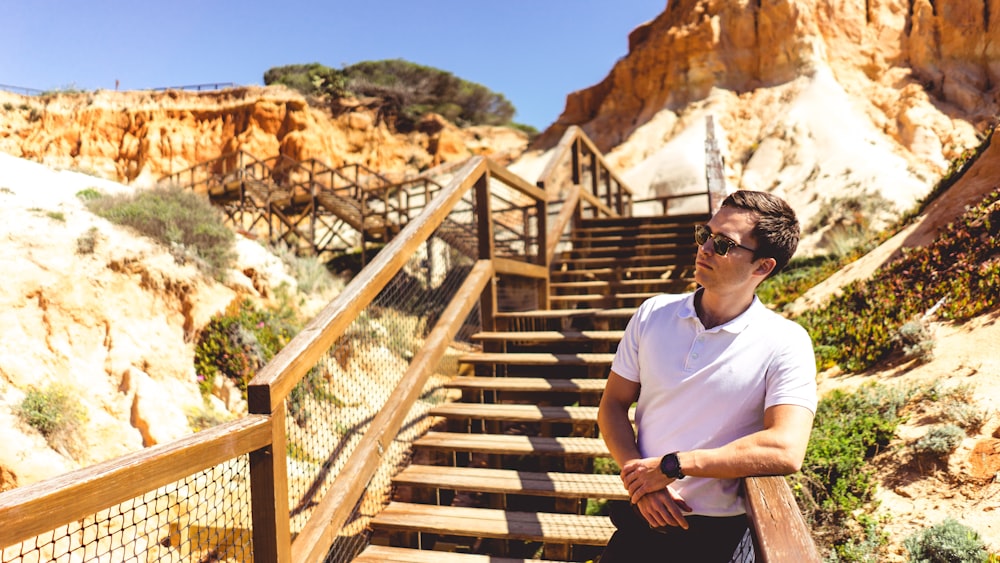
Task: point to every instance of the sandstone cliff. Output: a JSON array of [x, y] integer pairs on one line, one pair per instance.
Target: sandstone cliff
[[139, 137], [812, 100], [113, 326]]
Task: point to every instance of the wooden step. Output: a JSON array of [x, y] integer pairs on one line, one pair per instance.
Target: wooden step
[[579, 298], [537, 359], [507, 481], [515, 413], [386, 554], [518, 413], [627, 238], [617, 313], [548, 313], [506, 444], [492, 523], [633, 251], [590, 284], [526, 384], [663, 260], [544, 336], [582, 272], [644, 220]]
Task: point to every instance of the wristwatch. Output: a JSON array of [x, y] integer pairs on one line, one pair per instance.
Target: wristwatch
[[671, 466]]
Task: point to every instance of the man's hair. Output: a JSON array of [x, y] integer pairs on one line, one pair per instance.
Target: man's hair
[[777, 228]]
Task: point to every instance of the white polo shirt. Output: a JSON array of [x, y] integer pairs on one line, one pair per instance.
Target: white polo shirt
[[705, 388]]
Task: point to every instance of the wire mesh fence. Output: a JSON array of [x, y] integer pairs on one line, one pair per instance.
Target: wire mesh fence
[[330, 410], [204, 517]]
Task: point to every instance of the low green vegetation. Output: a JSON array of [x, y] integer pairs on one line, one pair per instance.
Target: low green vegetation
[[947, 542], [408, 91], [184, 222], [960, 270], [54, 412], [849, 429]]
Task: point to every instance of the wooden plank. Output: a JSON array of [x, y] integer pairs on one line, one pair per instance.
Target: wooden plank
[[276, 379], [579, 298], [780, 532], [547, 314], [513, 445], [386, 554], [537, 359], [580, 284], [507, 481], [552, 336], [593, 200], [492, 523], [518, 268], [557, 159], [335, 508], [515, 413], [43, 506], [527, 384]]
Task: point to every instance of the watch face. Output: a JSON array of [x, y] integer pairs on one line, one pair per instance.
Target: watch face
[[669, 465]]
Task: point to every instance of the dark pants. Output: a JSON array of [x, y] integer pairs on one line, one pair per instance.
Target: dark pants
[[707, 539]]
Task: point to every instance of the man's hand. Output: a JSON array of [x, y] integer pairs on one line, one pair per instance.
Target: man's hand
[[643, 476], [664, 508]]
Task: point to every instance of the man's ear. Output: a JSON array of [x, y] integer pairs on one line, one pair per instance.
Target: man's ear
[[765, 267]]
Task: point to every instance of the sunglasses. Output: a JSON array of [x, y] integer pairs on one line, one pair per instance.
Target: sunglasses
[[721, 243]]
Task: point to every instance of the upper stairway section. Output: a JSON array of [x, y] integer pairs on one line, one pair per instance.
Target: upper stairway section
[[621, 261], [307, 204]]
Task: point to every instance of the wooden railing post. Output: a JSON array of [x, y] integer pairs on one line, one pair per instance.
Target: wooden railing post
[[272, 540], [542, 212], [484, 218]]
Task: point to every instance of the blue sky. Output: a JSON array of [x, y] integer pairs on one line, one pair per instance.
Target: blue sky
[[535, 52]]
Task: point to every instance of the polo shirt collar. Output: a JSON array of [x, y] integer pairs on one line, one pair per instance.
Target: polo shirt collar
[[735, 326]]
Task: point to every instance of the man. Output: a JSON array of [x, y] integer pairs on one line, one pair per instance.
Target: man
[[725, 387]]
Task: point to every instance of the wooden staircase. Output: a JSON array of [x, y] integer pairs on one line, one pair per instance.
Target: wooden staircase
[[510, 471]]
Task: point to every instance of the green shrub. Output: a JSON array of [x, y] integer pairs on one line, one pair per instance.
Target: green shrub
[[181, 220], [939, 441], [849, 429], [408, 90], [89, 194], [56, 216], [867, 547], [947, 542], [915, 340], [53, 411], [237, 343], [87, 242], [7, 106]]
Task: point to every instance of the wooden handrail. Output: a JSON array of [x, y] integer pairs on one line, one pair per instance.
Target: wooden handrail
[[780, 534], [40, 507], [561, 152], [562, 220], [332, 513], [276, 379]]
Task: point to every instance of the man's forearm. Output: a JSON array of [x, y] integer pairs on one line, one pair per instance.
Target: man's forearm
[[756, 454], [618, 434], [777, 450]]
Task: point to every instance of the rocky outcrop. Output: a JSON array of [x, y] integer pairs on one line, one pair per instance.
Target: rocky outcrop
[[139, 137], [112, 322], [812, 100]]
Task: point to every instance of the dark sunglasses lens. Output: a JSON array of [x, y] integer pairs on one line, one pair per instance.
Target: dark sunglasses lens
[[722, 246], [701, 234]]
